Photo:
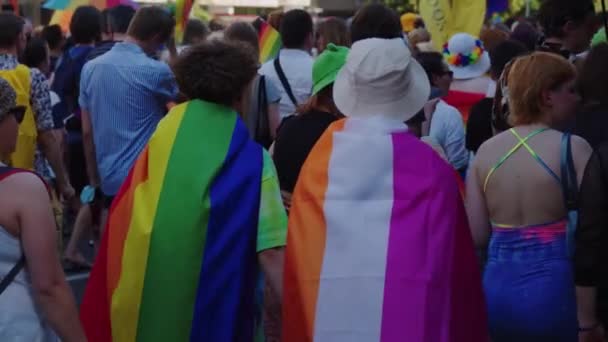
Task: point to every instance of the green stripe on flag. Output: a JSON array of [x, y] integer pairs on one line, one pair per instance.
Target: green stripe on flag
[[180, 226]]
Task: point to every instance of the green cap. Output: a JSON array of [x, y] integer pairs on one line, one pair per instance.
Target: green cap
[[327, 66], [600, 37]]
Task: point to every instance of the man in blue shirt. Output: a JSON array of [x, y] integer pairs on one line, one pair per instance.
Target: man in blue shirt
[[123, 95]]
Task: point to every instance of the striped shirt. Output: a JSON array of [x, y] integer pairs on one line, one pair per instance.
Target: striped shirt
[[125, 93]]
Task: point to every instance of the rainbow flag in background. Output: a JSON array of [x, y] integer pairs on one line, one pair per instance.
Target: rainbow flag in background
[[178, 258], [64, 9], [270, 42], [383, 253], [182, 13]]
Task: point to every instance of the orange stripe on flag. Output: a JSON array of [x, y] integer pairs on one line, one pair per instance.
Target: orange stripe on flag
[[305, 247], [120, 222]]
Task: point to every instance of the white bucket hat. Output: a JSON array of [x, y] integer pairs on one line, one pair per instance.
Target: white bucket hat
[[466, 56], [380, 78]]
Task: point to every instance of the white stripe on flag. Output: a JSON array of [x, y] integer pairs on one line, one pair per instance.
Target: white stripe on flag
[[358, 206]]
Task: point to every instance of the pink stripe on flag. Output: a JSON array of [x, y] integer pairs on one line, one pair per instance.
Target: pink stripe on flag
[[428, 267]]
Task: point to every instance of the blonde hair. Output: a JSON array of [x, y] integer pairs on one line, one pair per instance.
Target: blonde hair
[[530, 76]]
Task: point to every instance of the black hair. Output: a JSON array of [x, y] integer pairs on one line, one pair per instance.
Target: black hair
[[526, 34], [195, 31], [243, 32], [85, 26], [216, 70], [296, 27], [503, 53], [53, 36], [105, 21], [150, 22], [375, 21], [554, 14], [120, 18], [11, 27], [35, 52], [432, 63]]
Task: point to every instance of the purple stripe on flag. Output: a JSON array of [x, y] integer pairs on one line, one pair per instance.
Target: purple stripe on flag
[[432, 289], [410, 300]]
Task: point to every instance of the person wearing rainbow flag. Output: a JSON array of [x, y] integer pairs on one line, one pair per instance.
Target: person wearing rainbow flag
[[199, 213]]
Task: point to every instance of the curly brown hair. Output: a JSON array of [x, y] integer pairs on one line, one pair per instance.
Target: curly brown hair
[[217, 71]]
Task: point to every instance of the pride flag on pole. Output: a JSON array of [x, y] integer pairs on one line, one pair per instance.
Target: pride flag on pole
[[379, 248], [182, 13], [178, 258], [270, 41]]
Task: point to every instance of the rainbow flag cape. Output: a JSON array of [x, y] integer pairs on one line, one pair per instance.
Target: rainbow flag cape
[[379, 248], [178, 258], [270, 42], [182, 13]]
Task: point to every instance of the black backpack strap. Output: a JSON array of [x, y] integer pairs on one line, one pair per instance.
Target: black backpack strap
[[568, 171], [12, 274], [284, 81]]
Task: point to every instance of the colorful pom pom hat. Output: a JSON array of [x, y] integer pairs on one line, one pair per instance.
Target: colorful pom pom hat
[[466, 56]]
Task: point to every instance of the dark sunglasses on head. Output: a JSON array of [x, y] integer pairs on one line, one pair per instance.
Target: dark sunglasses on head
[[449, 73], [18, 112]]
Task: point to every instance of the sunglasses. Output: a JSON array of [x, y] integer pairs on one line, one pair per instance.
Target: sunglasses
[[18, 112]]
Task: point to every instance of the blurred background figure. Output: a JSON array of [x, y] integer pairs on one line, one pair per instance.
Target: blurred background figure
[[262, 116], [375, 21], [196, 31], [275, 18], [408, 22], [299, 133], [446, 126], [568, 26], [469, 60], [479, 125], [420, 40], [55, 38], [291, 70], [37, 55], [334, 31], [216, 25], [592, 119], [526, 34], [115, 23], [492, 37]]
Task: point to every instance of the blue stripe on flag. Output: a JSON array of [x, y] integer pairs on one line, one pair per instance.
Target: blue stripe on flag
[[225, 303]]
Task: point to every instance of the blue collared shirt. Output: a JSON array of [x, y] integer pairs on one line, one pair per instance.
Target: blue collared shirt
[[125, 93]]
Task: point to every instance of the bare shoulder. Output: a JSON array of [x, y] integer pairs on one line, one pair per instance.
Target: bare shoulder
[[580, 144], [491, 146], [25, 186]]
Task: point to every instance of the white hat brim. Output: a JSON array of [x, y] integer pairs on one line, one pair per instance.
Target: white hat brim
[[472, 71], [352, 104]]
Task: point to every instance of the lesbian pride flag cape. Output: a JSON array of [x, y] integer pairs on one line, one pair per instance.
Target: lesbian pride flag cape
[[178, 258], [379, 247]]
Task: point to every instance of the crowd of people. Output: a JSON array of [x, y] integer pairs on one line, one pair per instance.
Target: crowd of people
[[365, 184]]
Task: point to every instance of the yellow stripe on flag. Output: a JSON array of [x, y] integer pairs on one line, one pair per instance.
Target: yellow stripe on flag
[[125, 306]]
